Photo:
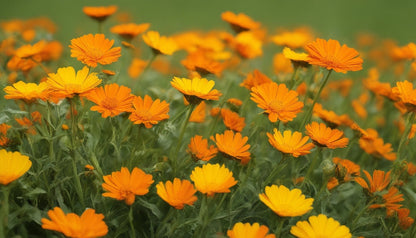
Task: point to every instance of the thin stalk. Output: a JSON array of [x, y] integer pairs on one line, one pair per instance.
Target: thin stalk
[[279, 167], [279, 227], [293, 78], [4, 212], [313, 164], [182, 133], [361, 213], [133, 231], [409, 123]]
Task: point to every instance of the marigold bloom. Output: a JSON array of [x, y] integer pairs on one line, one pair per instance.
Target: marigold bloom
[[254, 79], [160, 44], [31, 51], [293, 39], [325, 136], [377, 183], [320, 226], [123, 185], [199, 61], [12, 166], [67, 83], [197, 89], [245, 230], [99, 13], [391, 200], [233, 145], [405, 222], [247, 45], [282, 65], [212, 179], [199, 150], [373, 145], [373, 84], [29, 92], [136, 67], [405, 92], [298, 59], [178, 193], [331, 55], [285, 202], [289, 143], [88, 225], [239, 22], [111, 99], [92, 49], [232, 120], [277, 100], [27, 124], [148, 112], [130, 30], [330, 117]]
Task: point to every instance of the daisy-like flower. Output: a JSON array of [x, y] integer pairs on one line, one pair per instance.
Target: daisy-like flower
[[298, 59], [331, 55], [99, 13], [94, 49], [239, 22], [391, 201], [233, 145], [330, 117], [405, 92], [375, 146], [247, 45], [111, 100], [88, 225], [178, 193], [160, 44], [148, 112], [200, 62], [123, 185], [324, 136], [66, 82], [31, 51], [288, 143], [197, 89], [277, 100], [254, 79], [213, 178], [199, 150], [293, 39], [320, 226], [12, 166], [405, 222], [378, 182], [130, 30], [29, 92], [285, 202], [232, 120], [245, 230]]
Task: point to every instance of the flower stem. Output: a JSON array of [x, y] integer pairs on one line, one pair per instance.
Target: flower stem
[[362, 212], [409, 123], [279, 227], [4, 212], [182, 133], [133, 231], [293, 78], [313, 164], [279, 167]]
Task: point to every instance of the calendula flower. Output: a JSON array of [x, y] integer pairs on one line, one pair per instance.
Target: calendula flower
[[288, 143], [285, 202], [88, 225], [67, 83], [213, 178], [239, 22], [123, 185], [199, 61], [378, 182], [27, 124], [178, 193], [326, 137], [29, 92], [148, 112], [298, 59], [130, 30], [99, 13], [111, 99], [248, 230], [232, 120], [293, 39], [199, 150], [94, 49], [373, 84], [330, 117], [233, 145], [331, 55], [254, 79], [12, 166], [320, 227], [373, 145], [277, 100], [391, 201], [247, 45], [282, 65], [31, 51], [405, 92], [136, 67], [160, 44], [197, 89], [405, 222]]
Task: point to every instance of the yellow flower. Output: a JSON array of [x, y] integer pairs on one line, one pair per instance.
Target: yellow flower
[[159, 44], [320, 227], [29, 92], [178, 193], [12, 166], [247, 230], [197, 89], [285, 202], [289, 143]]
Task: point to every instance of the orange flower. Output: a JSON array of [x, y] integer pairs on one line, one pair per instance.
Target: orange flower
[[235, 102], [16, 63], [330, 117], [277, 100], [289, 143], [282, 65], [331, 55], [178, 193], [199, 150], [198, 114], [197, 89], [254, 79], [212, 179], [89, 224], [325, 136], [122, 185], [27, 124], [31, 51], [405, 222], [377, 183], [293, 39], [233, 145], [99, 13], [198, 61], [232, 120], [111, 99], [29, 92], [239, 22], [373, 145], [378, 88], [12, 166], [136, 67], [130, 30], [148, 112], [241, 230], [405, 92], [92, 49], [247, 45], [346, 169], [159, 44], [391, 200]]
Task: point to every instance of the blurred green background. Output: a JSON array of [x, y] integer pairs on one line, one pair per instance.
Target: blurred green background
[[340, 20]]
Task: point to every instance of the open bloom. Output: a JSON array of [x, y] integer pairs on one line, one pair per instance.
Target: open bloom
[[248, 45], [248, 230], [391, 201], [130, 30], [99, 13], [331, 55], [199, 150], [148, 112], [197, 89], [94, 49], [178, 193], [202, 63], [277, 100], [378, 182], [111, 100], [254, 79], [29, 92], [375, 146], [298, 59], [213, 178], [88, 225], [233, 145], [160, 44], [289, 143], [285, 202], [123, 185], [320, 226], [325, 136], [239, 22], [405, 92], [232, 120], [12, 166]]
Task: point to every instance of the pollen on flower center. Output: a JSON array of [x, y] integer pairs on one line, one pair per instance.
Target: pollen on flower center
[[277, 105], [110, 103]]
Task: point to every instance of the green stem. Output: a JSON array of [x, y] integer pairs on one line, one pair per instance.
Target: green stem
[[313, 164], [409, 123], [4, 213], [279, 167], [133, 231], [279, 227], [362, 212], [293, 78], [181, 135]]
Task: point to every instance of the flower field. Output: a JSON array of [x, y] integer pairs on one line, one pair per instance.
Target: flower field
[[238, 131]]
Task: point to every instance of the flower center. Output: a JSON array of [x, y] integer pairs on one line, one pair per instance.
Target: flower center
[[110, 103]]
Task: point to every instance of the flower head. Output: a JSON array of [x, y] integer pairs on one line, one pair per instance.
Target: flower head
[[254, 79], [148, 112], [233, 145], [160, 44], [178, 193], [330, 117], [200, 62], [99, 13], [241, 230], [88, 225], [285, 202], [130, 30], [12, 166], [289, 143], [123, 185], [320, 227], [199, 150], [325, 136], [29, 92], [391, 201], [213, 178], [405, 92], [239, 22], [293, 39], [298, 59], [197, 89], [378, 182], [248, 45], [375, 146], [232, 120]]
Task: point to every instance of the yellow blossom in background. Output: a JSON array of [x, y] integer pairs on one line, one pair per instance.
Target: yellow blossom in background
[[99, 13], [12, 166], [247, 45], [129, 30], [160, 44], [29, 92], [239, 22], [324, 136]]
